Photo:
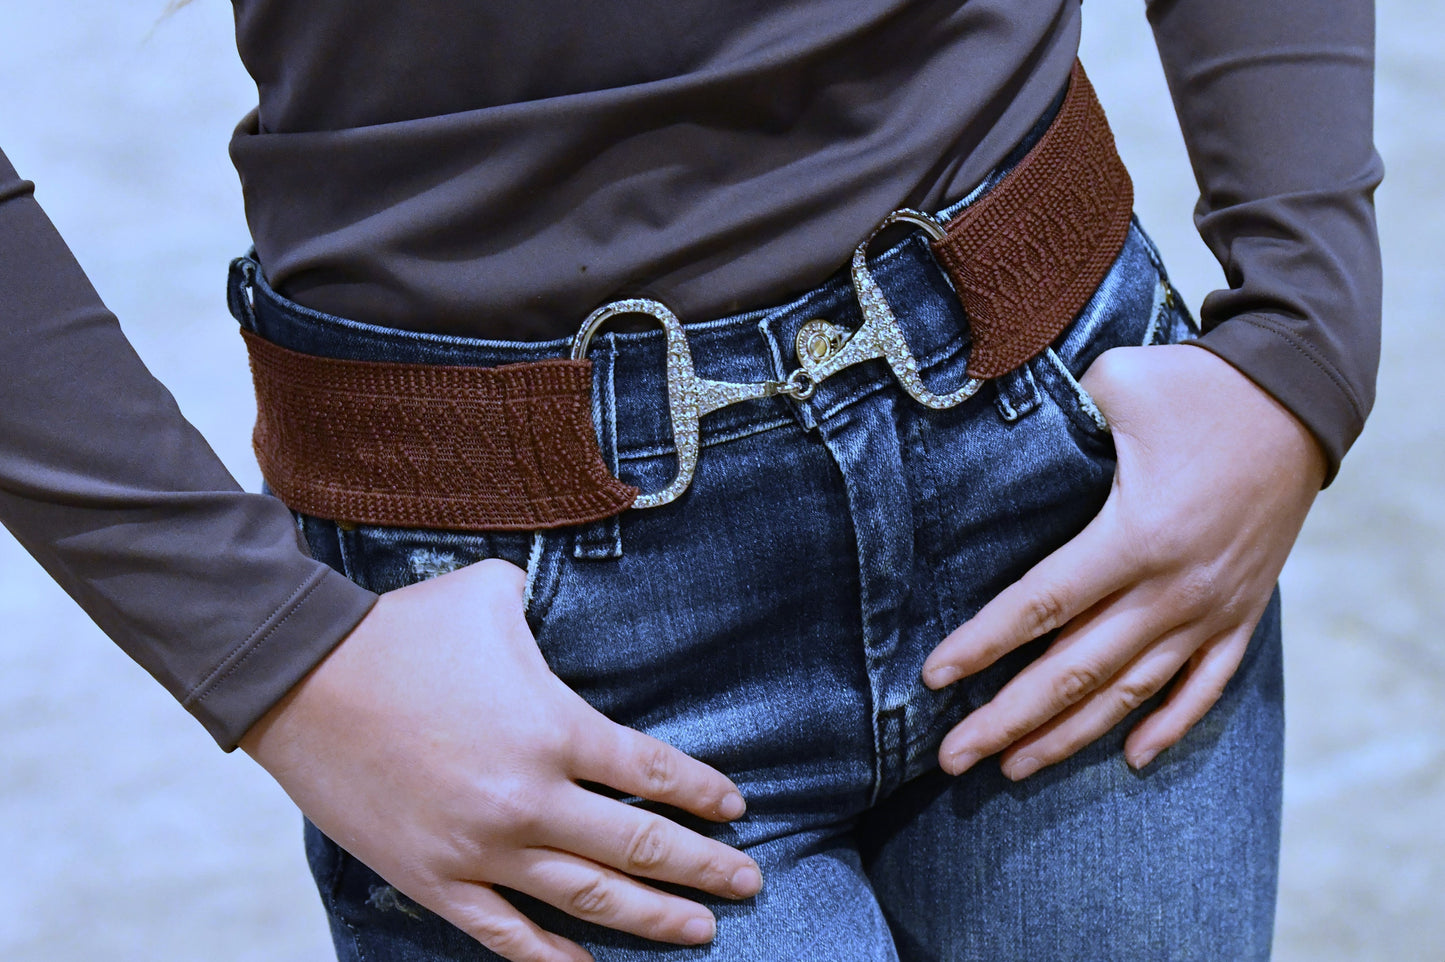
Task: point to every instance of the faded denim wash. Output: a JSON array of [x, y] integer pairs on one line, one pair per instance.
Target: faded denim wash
[[774, 620]]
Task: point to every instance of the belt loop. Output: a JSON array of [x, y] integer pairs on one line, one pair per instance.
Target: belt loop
[[1018, 393], [240, 290], [602, 540]]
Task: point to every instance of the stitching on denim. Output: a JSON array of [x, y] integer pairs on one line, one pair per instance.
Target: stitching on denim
[[559, 346], [869, 389], [1019, 380], [1086, 401], [335, 907], [1151, 333], [343, 553], [602, 540], [534, 559], [614, 524], [253, 643]]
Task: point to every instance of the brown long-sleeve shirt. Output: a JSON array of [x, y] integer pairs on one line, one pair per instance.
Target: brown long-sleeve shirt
[[498, 170]]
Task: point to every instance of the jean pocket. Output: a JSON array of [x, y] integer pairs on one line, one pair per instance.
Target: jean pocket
[[1134, 305], [383, 559]]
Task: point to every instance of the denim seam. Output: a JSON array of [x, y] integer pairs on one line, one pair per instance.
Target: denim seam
[[556, 347], [1085, 400], [917, 440], [602, 540], [544, 577], [351, 929], [1156, 314], [534, 558], [801, 413], [342, 553]]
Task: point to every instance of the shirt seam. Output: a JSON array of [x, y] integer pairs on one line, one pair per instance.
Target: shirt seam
[[1273, 327], [241, 653]]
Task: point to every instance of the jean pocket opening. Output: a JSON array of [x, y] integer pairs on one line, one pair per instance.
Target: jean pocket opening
[[1081, 401]]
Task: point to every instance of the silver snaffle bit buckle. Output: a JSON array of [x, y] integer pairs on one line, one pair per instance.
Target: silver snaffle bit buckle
[[880, 336], [689, 397]]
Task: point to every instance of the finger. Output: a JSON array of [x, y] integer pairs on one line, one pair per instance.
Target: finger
[[1099, 712], [1199, 687], [598, 894], [641, 843], [641, 765], [1092, 566], [496, 923], [1085, 657]]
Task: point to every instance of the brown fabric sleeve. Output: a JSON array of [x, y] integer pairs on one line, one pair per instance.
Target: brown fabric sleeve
[[125, 505], [1275, 101]]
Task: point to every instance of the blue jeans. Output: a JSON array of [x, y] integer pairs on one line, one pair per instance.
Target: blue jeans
[[774, 620]]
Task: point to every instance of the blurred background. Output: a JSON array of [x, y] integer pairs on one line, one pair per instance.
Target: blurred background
[[127, 835]]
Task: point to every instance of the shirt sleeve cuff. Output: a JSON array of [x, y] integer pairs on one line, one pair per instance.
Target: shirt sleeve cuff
[[278, 654], [1293, 374]]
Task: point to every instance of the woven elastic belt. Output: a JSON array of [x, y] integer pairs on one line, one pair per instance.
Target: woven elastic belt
[[514, 447]]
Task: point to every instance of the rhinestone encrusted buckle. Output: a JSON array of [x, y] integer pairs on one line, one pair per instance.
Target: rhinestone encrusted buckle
[[825, 349]]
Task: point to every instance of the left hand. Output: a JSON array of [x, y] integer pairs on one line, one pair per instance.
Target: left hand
[[1213, 481]]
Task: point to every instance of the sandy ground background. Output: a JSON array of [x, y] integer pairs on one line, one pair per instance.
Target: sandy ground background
[[126, 835]]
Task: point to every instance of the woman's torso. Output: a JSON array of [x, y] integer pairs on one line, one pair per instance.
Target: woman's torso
[[499, 169]]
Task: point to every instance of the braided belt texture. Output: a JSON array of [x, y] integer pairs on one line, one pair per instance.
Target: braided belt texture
[[514, 448], [1026, 257], [431, 446]]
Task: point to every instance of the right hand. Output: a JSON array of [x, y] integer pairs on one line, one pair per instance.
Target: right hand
[[435, 745]]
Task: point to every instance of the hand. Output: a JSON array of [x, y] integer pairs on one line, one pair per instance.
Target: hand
[[1213, 482], [435, 745]]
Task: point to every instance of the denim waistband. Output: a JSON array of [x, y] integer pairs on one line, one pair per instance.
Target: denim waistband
[[630, 394]]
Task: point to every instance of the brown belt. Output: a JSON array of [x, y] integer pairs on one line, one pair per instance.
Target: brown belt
[[514, 447]]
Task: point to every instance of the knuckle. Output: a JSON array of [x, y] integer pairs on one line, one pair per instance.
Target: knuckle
[[1196, 591], [1234, 609], [709, 874], [1044, 612], [509, 938], [593, 899], [557, 741], [512, 808], [1133, 692], [1157, 546], [657, 768], [503, 571], [1075, 682], [647, 849], [716, 875], [504, 938]]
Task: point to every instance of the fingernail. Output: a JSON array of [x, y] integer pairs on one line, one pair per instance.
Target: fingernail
[[960, 762], [699, 930], [1143, 758], [1023, 767], [746, 881], [732, 806], [938, 677]]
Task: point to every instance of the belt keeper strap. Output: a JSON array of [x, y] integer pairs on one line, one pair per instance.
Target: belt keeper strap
[[1027, 256], [430, 446]]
